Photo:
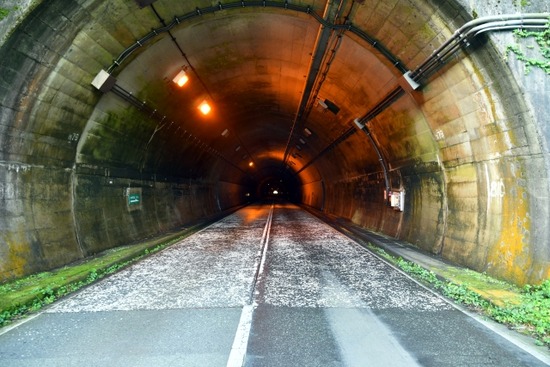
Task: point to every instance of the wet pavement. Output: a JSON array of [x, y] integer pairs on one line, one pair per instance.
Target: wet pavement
[[266, 286]]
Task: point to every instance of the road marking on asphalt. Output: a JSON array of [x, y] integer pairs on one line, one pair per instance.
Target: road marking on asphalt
[[265, 240], [240, 342], [18, 323]]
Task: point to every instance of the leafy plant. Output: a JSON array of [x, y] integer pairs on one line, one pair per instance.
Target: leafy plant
[[542, 39], [4, 13], [531, 314]]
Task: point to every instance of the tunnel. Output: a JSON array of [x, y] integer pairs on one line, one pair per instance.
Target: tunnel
[[421, 120]]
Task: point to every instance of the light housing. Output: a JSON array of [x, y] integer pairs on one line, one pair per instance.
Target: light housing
[[103, 81], [181, 79], [205, 107]]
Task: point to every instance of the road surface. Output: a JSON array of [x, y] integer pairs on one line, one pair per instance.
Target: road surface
[[266, 286]]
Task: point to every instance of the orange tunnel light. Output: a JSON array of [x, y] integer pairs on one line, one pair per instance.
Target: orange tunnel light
[[181, 79], [205, 108]]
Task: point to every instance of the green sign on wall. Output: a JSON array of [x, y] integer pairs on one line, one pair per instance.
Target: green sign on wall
[[134, 199]]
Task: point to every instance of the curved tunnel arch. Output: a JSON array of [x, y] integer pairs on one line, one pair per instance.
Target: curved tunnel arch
[[467, 148]]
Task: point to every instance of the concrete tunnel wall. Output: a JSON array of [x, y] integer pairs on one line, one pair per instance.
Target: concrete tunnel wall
[[469, 149]]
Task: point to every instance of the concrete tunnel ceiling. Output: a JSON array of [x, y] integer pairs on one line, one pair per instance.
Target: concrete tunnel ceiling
[[253, 67], [286, 80]]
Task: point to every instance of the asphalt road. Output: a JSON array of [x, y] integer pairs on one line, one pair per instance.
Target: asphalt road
[[263, 287]]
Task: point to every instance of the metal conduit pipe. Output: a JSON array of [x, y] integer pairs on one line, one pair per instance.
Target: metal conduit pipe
[[182, 53], [346, 134], [319, 52], [264, 4], [365, 37], [442, 57], [361, 124], [380, 159], [476, 27], [467, 31], [307, 105]]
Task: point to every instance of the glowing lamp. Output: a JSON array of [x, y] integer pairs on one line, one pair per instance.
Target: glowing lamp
[[205, 108], [181, 79], [250, 164]]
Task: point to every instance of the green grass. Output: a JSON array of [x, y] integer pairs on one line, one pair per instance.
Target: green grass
[[30, 294], [526, 310]]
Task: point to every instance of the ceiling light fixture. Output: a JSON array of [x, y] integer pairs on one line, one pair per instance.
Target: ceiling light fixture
[[181, 79], [205, 107]]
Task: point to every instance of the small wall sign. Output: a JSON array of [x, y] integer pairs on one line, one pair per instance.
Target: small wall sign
[[133, 198]]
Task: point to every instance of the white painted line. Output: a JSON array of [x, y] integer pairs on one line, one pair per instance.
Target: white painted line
[[265, 244], [240, 342], [18, 323], [526, 343]]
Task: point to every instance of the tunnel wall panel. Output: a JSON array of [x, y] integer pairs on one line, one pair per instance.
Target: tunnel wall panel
[[424, 215], [230, 195], [36, 222], [361, 200], [369, 194], [313, 194], [106, 218]]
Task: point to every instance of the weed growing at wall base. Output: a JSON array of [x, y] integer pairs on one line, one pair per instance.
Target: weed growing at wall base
[[531, 315], [31, 293]]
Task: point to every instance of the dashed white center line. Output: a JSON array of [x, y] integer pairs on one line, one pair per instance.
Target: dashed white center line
[[240, 342]]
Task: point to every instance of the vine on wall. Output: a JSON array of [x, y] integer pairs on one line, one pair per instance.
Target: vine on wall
[[542, 39], [4, 13]]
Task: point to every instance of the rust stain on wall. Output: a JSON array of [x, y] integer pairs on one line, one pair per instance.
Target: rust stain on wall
[[510, 255], [15, 260]]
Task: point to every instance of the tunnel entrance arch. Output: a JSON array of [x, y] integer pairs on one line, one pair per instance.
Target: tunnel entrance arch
[[453, 142]]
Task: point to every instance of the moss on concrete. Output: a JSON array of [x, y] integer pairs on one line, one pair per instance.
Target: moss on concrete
[[497, 292], [29, 294], [118, 127]]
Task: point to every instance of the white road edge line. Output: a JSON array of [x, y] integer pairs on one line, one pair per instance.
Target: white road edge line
[[240, 342], [522, 342], [525, 343], [18, 323]]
